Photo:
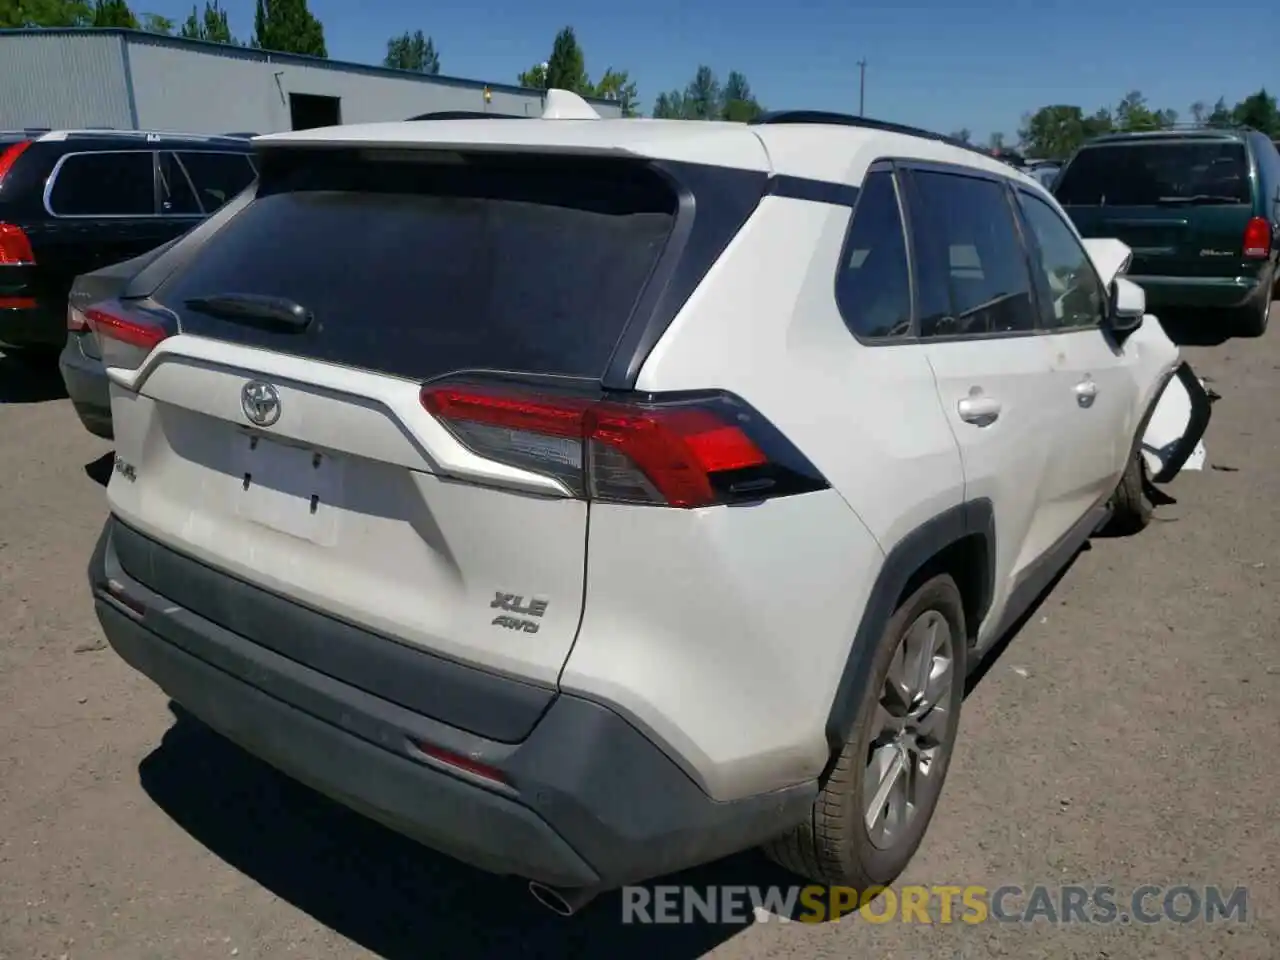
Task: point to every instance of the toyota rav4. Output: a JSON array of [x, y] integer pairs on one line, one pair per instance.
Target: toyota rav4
[[589, 499]]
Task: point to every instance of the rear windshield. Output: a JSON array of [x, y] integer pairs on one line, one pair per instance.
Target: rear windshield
[[420, 264], [1149, 174]]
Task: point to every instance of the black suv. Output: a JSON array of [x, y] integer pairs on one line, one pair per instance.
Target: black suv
[[73, 202]]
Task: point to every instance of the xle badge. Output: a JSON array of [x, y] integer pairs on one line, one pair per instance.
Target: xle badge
[[516, 610]]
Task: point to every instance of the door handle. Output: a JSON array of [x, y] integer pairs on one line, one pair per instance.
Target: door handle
[[979, 410], [1086, 392]]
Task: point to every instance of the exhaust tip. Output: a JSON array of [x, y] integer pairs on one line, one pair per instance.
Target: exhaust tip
[[565, 903]]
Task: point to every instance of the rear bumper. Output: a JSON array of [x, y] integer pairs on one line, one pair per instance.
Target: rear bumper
[[587, 800], [42, 324], [87, 386], [1203, 293]]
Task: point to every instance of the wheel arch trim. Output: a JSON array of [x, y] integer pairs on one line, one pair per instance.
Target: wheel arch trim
[[911, 553]]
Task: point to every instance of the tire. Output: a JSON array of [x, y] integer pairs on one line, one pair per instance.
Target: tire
[[1131, 508], [834, 846]]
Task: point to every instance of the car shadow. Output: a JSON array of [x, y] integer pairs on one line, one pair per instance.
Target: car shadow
[[388, 894], [30, 379], [99, 471]]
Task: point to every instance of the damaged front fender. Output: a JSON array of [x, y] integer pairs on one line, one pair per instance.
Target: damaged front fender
[[1173, 439]]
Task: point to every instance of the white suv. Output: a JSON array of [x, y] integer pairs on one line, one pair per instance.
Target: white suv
[[589, 499]]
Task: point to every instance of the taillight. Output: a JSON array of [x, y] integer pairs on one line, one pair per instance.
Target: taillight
[[15, 248], [10, 155], [1257, 239], [687, 452], [125, 337]]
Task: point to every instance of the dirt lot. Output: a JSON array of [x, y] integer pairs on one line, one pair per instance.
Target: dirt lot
[[1126, 736]]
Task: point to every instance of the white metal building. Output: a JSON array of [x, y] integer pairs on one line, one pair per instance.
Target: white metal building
[[131, 80]]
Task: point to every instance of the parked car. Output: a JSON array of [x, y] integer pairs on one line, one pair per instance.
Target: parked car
[[590, 560], [81, 360], [1199, 207], [72, 201], [75, 201], [1046, 173]]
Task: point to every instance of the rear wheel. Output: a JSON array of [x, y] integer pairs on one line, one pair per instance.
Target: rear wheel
[[872, 812]]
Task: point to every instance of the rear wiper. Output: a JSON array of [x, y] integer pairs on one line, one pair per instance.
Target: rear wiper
[[1200, 198], [252, 307]]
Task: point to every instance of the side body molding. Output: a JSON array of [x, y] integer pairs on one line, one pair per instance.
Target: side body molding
[[910, 554]]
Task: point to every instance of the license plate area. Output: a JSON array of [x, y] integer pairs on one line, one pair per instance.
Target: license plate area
[[291, 489]]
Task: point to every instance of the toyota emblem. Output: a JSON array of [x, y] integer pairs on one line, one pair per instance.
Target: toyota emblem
[[260, 402]]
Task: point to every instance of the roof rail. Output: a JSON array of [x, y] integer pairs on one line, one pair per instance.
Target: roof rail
[[849, 120], [1205, 128], [468, 115], [85, 133]]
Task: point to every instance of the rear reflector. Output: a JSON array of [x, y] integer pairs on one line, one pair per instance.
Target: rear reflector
[[113, 326], [15, 248], [1257, 239], [459, 762], [17, 303], [697, 452]]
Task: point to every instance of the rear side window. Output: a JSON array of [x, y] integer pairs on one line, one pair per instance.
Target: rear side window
[[873, 289], [104, 184], [974, 277], [177, 197], [1150, 174], [422, 264], [217, 176]]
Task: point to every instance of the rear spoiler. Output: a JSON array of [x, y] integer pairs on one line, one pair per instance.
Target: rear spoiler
[[1111, 257]]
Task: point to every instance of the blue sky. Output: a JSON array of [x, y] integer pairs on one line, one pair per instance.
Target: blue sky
[[932, 63]]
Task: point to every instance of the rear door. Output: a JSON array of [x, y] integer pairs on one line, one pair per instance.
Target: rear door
[[299, 456], [1182, 203], [977, 319]]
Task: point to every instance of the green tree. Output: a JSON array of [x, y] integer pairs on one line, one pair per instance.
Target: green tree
[[964, 135], [995, 141], [1220, 116], [669, 106], [114, 13], [737, 102], [1101, 122], [15, 14], [702, 97], [616, 85], [535, 78], [567, 65], [1199, 113], [1132, 113], [1258, 110], [211, 25], [155, 23], [288, 26], [413, 51], [1053, 132]]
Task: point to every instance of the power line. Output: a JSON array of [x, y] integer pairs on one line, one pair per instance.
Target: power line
[[862, 87]]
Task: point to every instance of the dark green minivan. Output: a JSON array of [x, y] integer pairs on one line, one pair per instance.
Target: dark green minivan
[[1199, 208]]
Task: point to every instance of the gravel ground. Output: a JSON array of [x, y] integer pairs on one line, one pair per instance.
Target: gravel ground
[[1119, 739]]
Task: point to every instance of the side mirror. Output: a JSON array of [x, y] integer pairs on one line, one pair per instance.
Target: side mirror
[[1126, 306]]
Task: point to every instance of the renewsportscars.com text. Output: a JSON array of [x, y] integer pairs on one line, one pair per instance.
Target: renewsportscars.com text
[[944, 904]]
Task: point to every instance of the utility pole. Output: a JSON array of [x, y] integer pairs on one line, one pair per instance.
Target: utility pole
[[862, 87]]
